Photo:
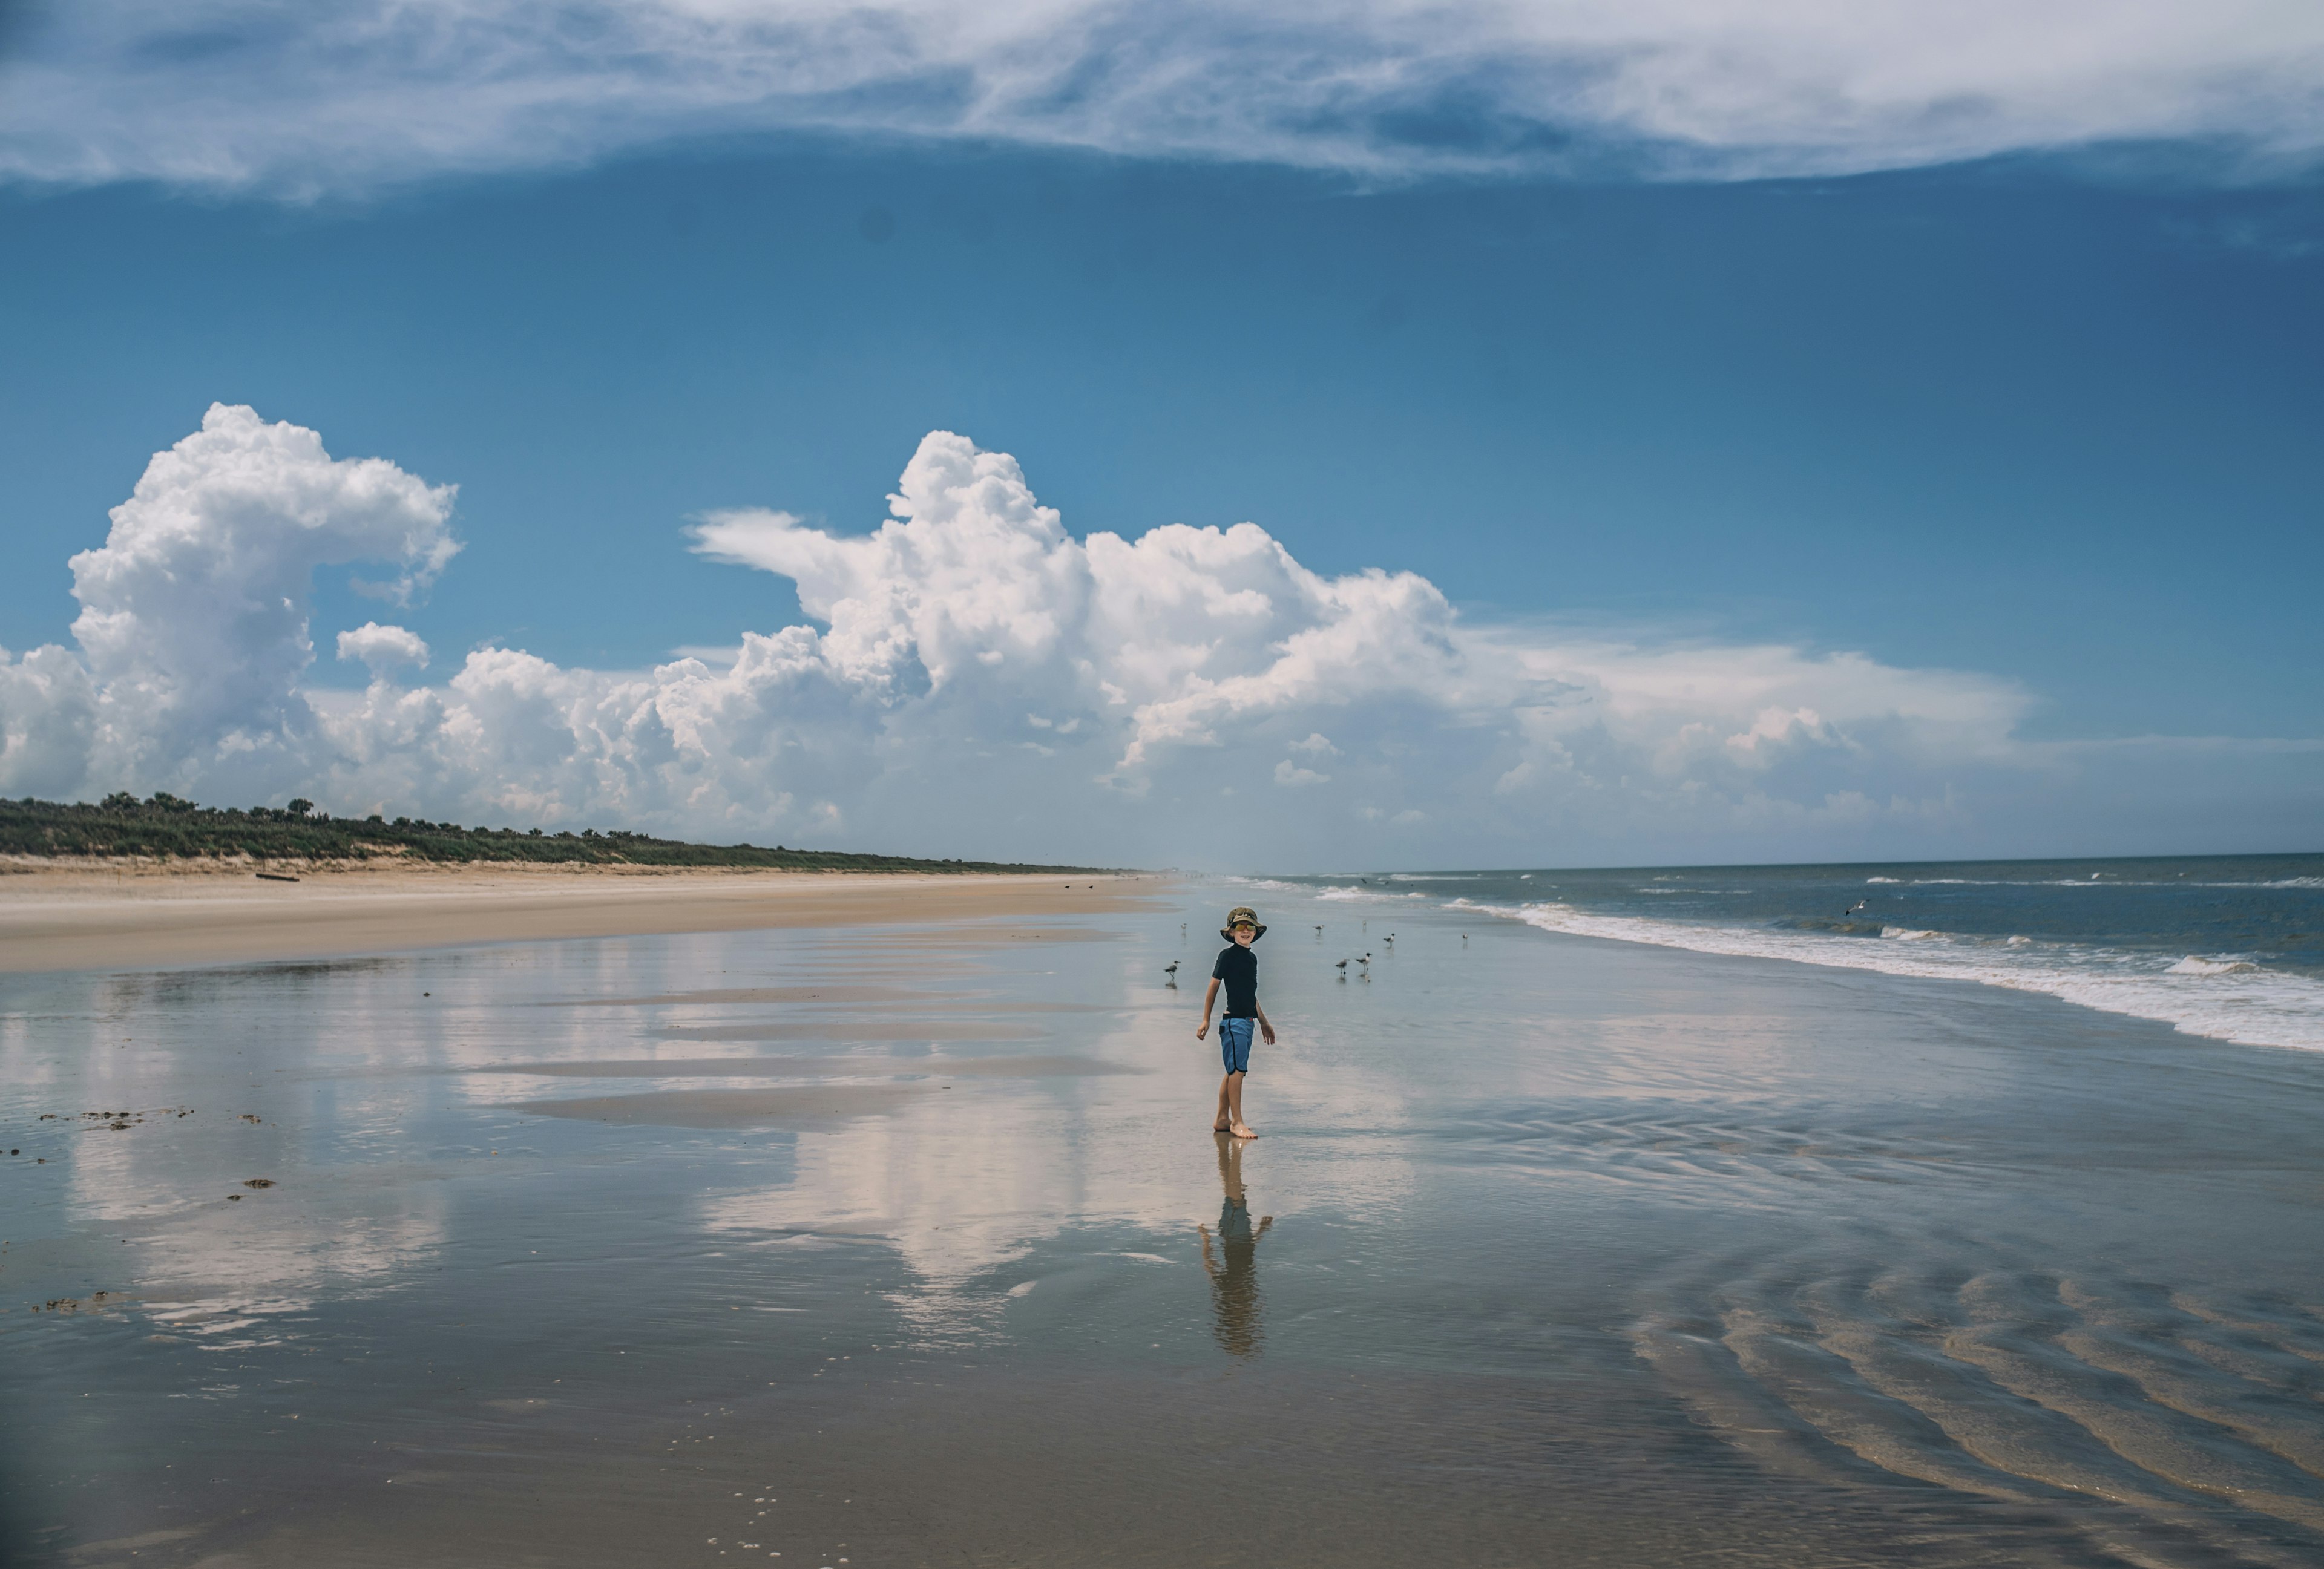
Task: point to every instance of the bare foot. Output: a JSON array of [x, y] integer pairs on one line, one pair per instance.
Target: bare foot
[[1240, 1131], [1218, 1127]]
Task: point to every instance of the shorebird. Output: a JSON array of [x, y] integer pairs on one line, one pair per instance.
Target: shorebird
[[1171, 969], [1859, 904], [1343, 967]]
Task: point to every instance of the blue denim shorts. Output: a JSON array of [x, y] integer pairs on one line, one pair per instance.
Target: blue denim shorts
[[1234, 1043]]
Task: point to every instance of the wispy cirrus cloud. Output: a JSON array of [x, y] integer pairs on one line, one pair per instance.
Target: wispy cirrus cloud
[[349, 95], [971, 678]]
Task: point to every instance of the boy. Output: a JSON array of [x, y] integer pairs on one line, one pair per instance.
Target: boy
[[1237, 967]]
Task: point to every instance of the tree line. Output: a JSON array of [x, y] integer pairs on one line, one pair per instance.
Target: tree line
[[166, 828]]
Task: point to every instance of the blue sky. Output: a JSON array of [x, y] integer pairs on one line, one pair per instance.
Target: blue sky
[[2038, 419]]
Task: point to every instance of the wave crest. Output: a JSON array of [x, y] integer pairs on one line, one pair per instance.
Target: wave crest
[[2193, 964], [2221, 999]]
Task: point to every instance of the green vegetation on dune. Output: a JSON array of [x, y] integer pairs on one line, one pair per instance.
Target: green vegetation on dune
[[166, 828]]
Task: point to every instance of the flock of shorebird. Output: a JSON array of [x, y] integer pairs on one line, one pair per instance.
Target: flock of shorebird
[[1363, 962]]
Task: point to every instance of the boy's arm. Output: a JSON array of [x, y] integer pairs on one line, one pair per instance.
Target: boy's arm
[[1209, 997], [1266, 1031]]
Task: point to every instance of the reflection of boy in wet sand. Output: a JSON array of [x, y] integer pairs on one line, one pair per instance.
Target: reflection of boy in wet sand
[[1234, 1283], [1238, 968]]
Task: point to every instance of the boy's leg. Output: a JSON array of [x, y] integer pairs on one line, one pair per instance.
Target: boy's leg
[[1235, 1124], [1234, 1046]]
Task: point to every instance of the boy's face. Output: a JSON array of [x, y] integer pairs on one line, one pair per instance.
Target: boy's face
[[1242, 932]]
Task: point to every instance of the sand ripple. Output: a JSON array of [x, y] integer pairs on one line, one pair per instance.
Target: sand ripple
[[2195, 1421]]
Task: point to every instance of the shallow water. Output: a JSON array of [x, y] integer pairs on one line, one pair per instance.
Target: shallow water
[[1552, 1250]]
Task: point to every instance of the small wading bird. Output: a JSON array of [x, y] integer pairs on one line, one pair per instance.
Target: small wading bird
[[1343, 967], [1858, 905], [1171, 969]]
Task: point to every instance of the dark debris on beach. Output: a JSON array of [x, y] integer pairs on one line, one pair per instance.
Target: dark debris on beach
[[122, 1121], [96, 1302]]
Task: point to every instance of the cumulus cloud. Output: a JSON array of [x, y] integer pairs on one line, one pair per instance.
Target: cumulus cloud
[[383, 649], [972, 679], [340, 94], [48, 720], [193, 626]]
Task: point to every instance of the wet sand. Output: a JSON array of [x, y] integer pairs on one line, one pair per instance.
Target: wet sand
[[740, 1067], [1552, 1250], [89, 916], [734, 1108]]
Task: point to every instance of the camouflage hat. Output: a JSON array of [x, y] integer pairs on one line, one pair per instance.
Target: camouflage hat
[[1242, 912]]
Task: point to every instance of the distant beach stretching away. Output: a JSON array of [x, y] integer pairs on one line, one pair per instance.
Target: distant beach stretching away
[[91, 915], [1940, 1216]]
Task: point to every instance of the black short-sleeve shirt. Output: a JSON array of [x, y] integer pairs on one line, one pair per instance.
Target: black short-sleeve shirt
[[1237, 967]]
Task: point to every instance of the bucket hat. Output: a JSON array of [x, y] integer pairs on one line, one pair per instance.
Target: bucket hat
[[1243, 912]]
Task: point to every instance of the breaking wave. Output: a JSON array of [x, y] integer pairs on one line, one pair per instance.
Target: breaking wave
[[2222, 997]]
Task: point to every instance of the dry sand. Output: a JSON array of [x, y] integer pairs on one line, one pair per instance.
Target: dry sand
[[82, 914]]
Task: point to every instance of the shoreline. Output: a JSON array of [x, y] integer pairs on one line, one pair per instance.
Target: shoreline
[[98, 915], [2245, 1007]]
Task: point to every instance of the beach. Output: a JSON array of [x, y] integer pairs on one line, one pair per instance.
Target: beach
[[883, 1226], [89, 915]]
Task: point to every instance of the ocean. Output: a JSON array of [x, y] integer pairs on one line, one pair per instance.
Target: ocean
[[2231, 948]]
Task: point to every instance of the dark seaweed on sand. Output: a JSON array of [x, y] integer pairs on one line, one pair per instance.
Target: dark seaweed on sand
[[165, 828]]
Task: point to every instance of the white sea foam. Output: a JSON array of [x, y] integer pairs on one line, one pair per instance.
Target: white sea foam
[[1364, 895], [2092, 882], [2221, 997], [2089, 881], [2196, 965]]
